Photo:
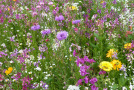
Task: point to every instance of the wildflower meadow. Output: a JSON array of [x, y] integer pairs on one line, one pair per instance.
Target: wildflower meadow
[[66, 44]]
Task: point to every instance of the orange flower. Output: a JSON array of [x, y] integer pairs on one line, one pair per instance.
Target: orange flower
[[14, 0], [116, 64], [110, 53], [9, 70], [128, 33]]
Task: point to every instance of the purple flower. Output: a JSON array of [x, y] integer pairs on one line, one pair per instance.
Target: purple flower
[[59, 18], [104, 4], [2, 54], [43, 48], [47, 31], [115, 55], [114, 2], [76, 21], [93, 80], [99, 11], [62, 35], [93, 87], [12, 38], [35, 27]]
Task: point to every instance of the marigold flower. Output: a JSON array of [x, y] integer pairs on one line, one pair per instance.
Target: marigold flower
[[116, 64], [106, 66], [127, 45], [9, 70]]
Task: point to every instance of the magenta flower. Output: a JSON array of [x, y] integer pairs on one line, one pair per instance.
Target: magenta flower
[[62, 35], [86, 79], [83, 70], [93, 87], [17, 76], [74, 53], [90, 60], [102, 72], [1, 77], [93, 80], [79, 82], [79, 61], [26, 83]]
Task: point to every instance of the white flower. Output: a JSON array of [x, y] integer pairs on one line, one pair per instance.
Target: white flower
[[31, 57], [21, 51], [38, 68], [3, 44], [30, 72], [6, 80], [73, 87], [11, 61]]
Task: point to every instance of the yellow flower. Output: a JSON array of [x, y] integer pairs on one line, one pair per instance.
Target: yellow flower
[[110, 53], [116, 64], [102, 2], [9, 70], [106, 66], [8, 9], [73, 8], [127, 45], [14, 0]]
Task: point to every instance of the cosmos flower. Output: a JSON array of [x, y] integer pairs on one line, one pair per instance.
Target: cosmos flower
[[116, 64], [62, 35], [9, 70], [106, 66]]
